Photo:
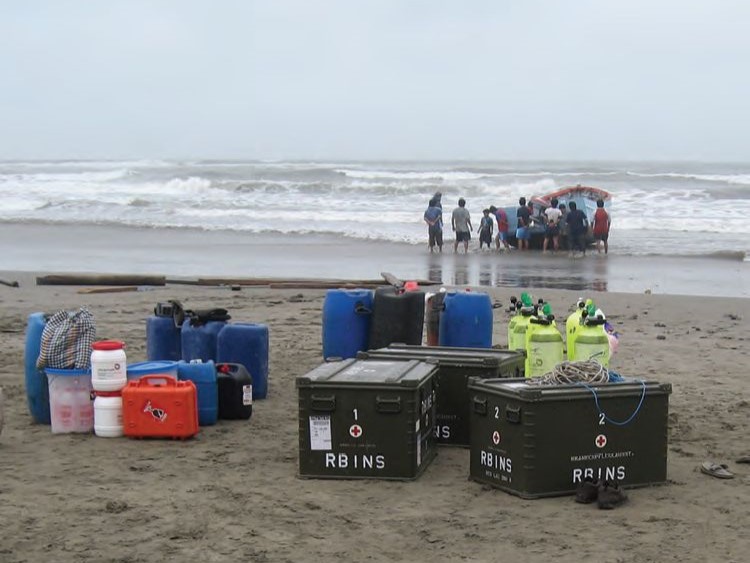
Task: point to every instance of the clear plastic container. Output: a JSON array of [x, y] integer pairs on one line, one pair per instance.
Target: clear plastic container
[[108, 365], [71, 408]]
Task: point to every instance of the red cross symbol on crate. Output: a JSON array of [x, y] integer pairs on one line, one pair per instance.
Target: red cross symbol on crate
[[355, 430], [601, 441]]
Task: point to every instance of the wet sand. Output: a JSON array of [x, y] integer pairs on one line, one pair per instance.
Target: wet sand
[[232, 494], [76, 248]]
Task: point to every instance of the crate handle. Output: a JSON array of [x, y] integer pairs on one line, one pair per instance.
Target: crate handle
[[480, 406], [168, 380], [325, 403], [388, 405], [513, 414]]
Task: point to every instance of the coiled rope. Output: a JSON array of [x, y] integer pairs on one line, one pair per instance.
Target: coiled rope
[[589, 371], [585, 374]]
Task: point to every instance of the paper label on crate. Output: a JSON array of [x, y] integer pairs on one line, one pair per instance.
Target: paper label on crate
[[247, 395], [320, 432], [419, 451]]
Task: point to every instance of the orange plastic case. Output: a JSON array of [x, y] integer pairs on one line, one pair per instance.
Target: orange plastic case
[[159, 406]]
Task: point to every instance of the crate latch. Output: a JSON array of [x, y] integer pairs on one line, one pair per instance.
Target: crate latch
[[321, 403], [513, 414], [480, 406], [388, 405]]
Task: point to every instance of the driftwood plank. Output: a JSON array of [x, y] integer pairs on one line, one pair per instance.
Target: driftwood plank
[[9, 283], [117, 289], [100, 279]]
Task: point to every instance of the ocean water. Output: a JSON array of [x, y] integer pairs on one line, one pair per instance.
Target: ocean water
[[657, 208]]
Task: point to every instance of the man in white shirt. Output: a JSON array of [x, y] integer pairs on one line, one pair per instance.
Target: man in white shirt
[[552, 217], [461, 222]]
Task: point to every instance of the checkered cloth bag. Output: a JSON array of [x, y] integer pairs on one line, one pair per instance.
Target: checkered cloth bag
[[66, 340]]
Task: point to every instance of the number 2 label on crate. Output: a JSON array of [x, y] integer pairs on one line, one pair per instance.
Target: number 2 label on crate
[[320, 432]]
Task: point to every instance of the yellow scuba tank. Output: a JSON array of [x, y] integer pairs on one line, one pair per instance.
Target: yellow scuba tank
[[517, 337], [515, 310], [545, 345], [592, 342], [571, 327]]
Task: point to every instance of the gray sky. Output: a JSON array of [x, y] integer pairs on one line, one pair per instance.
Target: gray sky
[[371, 79]]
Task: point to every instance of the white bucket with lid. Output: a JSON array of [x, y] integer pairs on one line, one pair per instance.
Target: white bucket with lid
[[108, 414], [108, 365]]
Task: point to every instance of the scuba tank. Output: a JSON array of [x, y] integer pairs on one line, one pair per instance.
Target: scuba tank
[[571, 327], [515, 310], [544, 349], [592, 342], [517, 338]]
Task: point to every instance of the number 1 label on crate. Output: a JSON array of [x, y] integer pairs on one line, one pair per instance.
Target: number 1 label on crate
[[320, 432]]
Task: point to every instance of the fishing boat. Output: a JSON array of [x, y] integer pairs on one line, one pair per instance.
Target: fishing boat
[[585, 198]]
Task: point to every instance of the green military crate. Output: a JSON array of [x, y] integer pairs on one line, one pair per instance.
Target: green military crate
[[455, 367], [536, 441], [367, 419]]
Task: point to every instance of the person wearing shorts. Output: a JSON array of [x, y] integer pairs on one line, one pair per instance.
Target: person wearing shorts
[[502, 227], [552, 231], [522, 230], [601, 227], [433, 216], [461, 223]]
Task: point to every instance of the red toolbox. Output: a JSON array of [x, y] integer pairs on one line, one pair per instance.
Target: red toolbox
[[159, 406]]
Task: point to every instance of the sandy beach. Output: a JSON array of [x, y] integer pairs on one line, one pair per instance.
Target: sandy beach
[[232, 492]]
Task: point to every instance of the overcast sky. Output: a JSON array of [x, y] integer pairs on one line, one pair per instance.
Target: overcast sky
[[373, 79]]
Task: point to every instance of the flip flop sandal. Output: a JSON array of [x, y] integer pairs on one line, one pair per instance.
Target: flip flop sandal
[[720, 471]]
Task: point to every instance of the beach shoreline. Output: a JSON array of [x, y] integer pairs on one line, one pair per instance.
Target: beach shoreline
[[183, 252], [232, 492]]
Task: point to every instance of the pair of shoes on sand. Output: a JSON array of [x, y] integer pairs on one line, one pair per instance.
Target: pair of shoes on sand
[[606, 494], [718, 470]]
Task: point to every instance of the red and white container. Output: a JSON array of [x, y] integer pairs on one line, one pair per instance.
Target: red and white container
[[70, 400], [108, 414], [108, 365]]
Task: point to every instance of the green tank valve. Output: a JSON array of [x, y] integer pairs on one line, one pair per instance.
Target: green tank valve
[[547, 309], [526, 300]]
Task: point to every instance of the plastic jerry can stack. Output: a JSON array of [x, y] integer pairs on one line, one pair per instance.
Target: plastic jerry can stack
[[591, 341], [466, 320], [455, 366], [433, 311], [158, 406], [609, 431], [571, 327], [198, 340], [37, 386], [163, 332], [203, 375], [246, 344], [346, 322], [71, 408], [108, 377], [235, 392], [544, 349], [397, 316], [370, 419]]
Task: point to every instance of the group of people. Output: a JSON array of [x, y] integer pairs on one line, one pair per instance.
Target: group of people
[[564, 227]]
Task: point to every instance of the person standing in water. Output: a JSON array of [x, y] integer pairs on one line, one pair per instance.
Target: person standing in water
[[433, 216], [601, 226], [522, 230], [577, 227], [485, 229], [461, 222], [552, 232], [502, 227]]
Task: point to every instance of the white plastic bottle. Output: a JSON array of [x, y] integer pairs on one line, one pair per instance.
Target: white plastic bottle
[[108, 365], [108, 414]]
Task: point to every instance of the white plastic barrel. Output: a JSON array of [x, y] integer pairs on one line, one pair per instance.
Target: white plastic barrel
[[108, 365], [70, 401], [108, 414]]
